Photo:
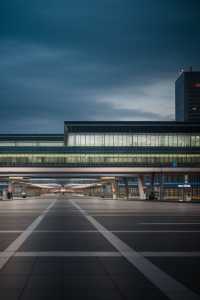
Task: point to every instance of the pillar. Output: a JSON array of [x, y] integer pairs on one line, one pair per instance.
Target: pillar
[[102, 191], [186, 179], [126, 188], [187, 196], [152, 182], [162, 178], [141, 187], [10, 190], [114, 190]]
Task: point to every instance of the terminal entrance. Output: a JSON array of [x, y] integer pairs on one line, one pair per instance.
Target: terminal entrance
[[157, 187]]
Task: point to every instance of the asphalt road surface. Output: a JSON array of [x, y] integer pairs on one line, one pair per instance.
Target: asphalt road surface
[[89, 248]]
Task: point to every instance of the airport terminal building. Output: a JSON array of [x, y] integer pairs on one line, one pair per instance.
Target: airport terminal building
[[165, 156]]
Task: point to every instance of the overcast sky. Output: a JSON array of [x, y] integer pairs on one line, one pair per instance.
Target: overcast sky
[[92, 60]]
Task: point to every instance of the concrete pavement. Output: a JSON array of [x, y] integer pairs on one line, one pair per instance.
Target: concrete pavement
[[90, 248]]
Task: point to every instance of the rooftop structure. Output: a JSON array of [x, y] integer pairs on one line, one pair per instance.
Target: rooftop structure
[[187, 93]]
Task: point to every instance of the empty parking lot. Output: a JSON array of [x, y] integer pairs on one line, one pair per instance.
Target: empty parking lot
[[63, 247]]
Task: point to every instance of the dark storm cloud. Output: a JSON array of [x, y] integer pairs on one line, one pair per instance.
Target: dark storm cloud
[[92, 60]]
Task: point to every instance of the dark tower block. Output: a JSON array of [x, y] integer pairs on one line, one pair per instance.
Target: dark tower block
[[187, 94]]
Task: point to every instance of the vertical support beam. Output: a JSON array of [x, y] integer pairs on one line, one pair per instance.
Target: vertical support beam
[[187, 191], [151, 195], [90, 191], [152, 182], [162, 179], [183, 188], [114, 190], [10, 190], [141, 187], [186, 179], [126, 187], [103, 191], [117, 187], [4, 194]]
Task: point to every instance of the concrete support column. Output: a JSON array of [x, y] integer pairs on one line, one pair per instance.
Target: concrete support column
[[126, 188], [7, 193], [187, 195], [152, 182], [117, 187], [10, 190], [114, 190], [4, 194], [162, 179], [102, 191], [152, 192], [141, 187], [186, 179], [95, 191]]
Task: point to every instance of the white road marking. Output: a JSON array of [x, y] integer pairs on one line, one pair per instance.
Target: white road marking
[[11, 231], [92, 231], [168, 285], [155, 231], [50, 231], [102, 253], [15, 245], [171, 254], [136, 214], [69, 254], [97, 253], [169, 223]]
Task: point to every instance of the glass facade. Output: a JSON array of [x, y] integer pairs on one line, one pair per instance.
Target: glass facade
[[108, 159], [83, 144], [73, 146], [133, 140]]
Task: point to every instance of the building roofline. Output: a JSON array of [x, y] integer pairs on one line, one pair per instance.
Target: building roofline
[[130, 126], [27, 137], [132, 123]]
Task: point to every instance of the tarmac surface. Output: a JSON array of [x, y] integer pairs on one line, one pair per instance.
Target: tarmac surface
[[91, 248]]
